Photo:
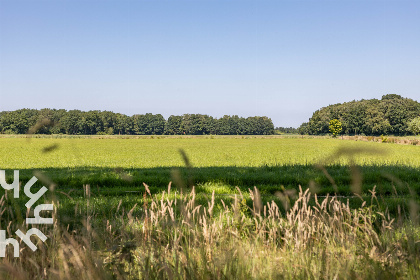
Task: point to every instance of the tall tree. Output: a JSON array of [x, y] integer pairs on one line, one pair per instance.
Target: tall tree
[[71, 122], [174, 125]]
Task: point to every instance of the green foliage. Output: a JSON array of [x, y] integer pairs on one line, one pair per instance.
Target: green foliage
[[148, 124], [391, 96], [335, 127], [390, 115], [76, 122], [174, 125], [414, 126], [18, 121], [384, 139], [286, 130], [196, 124], [303, 129]]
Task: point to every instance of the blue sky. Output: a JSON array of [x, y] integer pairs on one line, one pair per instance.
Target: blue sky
[[281, 59]]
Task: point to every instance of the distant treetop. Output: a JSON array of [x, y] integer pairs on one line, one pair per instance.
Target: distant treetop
[[391, 96]]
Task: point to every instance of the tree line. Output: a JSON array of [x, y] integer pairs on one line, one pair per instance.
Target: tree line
[[76, 122], [392, 114], [286, 130]]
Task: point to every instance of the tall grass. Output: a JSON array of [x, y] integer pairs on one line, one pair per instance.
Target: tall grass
[[169, 236]]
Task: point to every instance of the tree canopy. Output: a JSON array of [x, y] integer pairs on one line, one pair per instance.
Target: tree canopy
[[390, 115], [52, 121]]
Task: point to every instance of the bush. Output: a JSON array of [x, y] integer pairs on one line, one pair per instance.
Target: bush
[[414, 126], [335, 127]]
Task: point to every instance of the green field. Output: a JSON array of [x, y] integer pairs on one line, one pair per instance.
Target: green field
[[115, 168], [96, 184], [206, 151], [220, 163]]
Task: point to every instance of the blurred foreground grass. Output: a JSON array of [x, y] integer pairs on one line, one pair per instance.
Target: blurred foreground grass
[[173, 236]]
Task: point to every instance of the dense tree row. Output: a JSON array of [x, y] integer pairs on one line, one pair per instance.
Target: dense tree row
[[287, 130], [52, 121], [390, 115]]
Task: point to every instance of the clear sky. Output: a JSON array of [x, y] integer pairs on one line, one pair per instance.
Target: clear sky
[[281, 59]]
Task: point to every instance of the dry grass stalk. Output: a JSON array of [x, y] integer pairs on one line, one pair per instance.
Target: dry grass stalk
[[173, 238]]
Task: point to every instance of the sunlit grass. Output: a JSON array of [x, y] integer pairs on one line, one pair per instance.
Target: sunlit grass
[[23, 153]]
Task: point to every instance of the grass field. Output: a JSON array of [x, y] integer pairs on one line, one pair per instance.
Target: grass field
[[207, 151], [99, 192], [116, 167], [220, 163]]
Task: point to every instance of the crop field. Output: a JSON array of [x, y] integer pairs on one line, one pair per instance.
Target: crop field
[[233, 195]]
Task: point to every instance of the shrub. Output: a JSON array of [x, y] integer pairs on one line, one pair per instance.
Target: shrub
[[414, 126], [335, 127]]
